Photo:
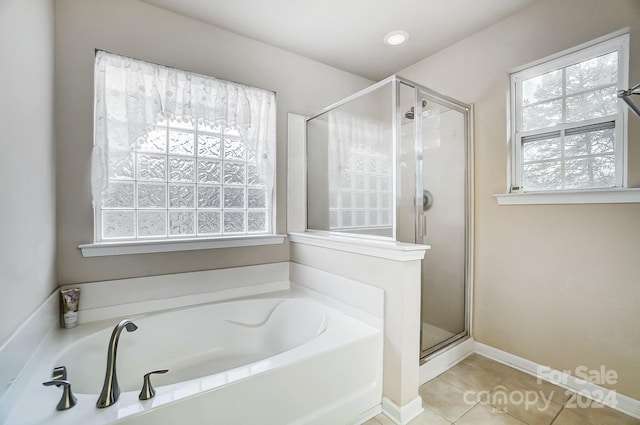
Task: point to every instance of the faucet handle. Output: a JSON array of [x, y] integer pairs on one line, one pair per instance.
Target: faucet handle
[[59, 373], [68, 400], [148, 391]]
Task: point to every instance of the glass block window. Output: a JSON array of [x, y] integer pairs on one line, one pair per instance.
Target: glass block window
[[186, 178], [178, 154], [364, 198], [568, 126]]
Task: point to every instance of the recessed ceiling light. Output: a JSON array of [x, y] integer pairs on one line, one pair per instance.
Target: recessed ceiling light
[[395, 38]]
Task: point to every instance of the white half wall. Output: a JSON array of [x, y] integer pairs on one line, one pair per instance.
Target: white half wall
[[397, 273]]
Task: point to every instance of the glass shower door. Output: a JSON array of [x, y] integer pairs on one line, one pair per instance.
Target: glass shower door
[[443, 221], [393, 163]]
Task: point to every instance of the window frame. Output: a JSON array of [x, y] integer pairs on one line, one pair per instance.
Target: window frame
[[170, 243], [616, 42]]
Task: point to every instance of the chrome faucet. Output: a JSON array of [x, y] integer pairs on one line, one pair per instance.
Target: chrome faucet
[[110, 389]]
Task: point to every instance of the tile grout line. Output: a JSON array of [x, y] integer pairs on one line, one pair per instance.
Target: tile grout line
[[465, 412], [467, 391], [502, 380], [518, 385], [558, 414], [430, 409], [525, 389]]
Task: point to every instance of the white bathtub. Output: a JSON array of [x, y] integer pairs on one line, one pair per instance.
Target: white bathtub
[[265, 360]]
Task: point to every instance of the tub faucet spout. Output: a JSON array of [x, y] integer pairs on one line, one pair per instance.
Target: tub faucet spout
[[110, 389]]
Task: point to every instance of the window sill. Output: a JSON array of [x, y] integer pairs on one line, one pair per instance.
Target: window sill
[[603, 196], [146, 247]]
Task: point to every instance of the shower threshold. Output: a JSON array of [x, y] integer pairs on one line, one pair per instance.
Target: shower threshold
[[436, 339]]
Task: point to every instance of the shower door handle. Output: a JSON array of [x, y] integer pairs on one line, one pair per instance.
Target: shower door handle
[[427, 203], [423, 223], [427, 200]]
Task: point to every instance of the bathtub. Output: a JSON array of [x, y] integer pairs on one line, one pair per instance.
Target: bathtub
[[271, 360]]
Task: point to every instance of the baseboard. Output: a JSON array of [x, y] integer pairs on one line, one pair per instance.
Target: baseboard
[[442, 362], [611, 398], [402, 415]]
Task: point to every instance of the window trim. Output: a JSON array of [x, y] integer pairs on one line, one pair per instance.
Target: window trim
[[169, 243], [595, 196], [101, 249], [619, 41]]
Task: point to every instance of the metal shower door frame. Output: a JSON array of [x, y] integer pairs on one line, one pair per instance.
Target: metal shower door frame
[[453, 104], [422, 92]]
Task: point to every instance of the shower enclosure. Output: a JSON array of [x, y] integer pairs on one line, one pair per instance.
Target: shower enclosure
[[393, 162]]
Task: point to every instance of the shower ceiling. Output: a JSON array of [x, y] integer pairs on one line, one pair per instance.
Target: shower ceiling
[[347, 34]]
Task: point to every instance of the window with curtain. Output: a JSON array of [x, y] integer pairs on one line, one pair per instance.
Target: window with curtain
[[178, 154], [568, 127]]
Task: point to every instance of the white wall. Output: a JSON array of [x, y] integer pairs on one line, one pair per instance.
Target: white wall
[[556, 284], [27, 176], [136, 29]]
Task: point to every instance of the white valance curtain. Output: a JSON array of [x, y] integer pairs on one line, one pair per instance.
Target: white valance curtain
[[131, 95]]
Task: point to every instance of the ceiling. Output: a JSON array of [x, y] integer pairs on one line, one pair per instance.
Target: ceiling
[[347, 34]]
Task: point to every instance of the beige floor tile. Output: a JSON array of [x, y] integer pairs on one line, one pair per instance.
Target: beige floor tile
[[445, 399], [598, 413], [487, 364], [471, 378], [526, 381], [429, 417], [530, 406], [483, 414], [569, 417], [384, 420]]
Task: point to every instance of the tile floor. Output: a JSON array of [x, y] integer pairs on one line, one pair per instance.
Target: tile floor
[[484, 392]]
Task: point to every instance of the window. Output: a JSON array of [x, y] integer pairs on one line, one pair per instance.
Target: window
[[568, 127], [179, 155], [364, 193]]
